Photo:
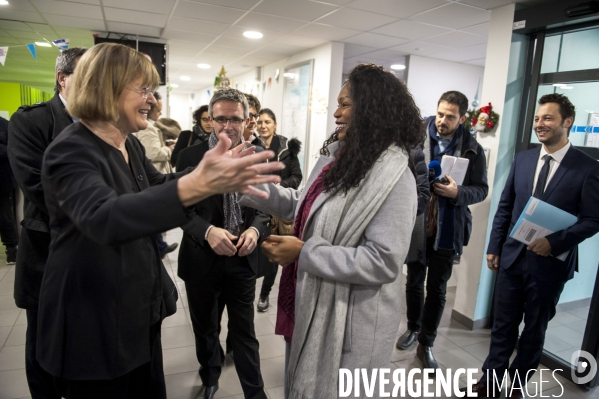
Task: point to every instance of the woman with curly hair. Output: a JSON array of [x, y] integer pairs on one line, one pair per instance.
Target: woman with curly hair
[[341, 288]]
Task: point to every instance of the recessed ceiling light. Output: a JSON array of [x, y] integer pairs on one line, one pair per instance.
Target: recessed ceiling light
[[251, 34], [185, 78], [559, 84], [3, 3], [418, 49], [43, 44], [203, 66], [398, 67], [566, 87], [174, 85]]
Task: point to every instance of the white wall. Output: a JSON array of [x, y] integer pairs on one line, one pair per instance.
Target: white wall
[[326, 84], [429, 78]]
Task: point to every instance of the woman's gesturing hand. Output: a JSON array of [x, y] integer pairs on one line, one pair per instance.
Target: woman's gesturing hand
[[227, 171], [282, 250]]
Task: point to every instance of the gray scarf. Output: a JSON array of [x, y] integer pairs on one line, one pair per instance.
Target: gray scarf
[[231, 209], [319, 331]]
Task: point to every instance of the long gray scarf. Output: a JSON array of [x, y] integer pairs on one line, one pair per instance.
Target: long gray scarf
[[321, 315], [231, 209]]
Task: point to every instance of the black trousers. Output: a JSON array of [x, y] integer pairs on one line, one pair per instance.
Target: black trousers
[[41, 383], [424, 315], [8, 228], [519, 295], [144, 382], [268, 282], [234, 285]]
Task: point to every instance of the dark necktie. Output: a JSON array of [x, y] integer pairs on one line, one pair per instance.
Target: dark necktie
[[543, 175]]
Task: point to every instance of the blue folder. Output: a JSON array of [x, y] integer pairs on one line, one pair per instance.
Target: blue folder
[[539, 219]]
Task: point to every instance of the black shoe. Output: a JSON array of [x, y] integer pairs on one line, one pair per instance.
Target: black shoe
[[406, 340], [11, 255], [262, 304], [168, 250], [425, 355], [207, 392]]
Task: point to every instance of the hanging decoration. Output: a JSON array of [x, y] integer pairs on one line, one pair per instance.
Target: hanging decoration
[[3, 51], [31, 48], [222, 81], [62, 44], [482, 120]]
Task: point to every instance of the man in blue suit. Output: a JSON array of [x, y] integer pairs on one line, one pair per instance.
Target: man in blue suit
[[530, 278]]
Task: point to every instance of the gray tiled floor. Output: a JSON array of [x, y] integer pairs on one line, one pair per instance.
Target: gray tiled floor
[[455, 346]]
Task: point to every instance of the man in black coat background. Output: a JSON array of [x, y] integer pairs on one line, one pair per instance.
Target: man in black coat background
[[218, 261], [32, 128], [8, 230]]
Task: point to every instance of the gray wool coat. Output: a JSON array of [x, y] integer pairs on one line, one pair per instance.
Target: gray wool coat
[[374, 268]]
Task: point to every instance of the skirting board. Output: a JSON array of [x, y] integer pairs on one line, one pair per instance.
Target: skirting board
[[468, 322]]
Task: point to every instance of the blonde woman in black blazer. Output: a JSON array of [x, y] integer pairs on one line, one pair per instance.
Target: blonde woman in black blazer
[[105, 290]]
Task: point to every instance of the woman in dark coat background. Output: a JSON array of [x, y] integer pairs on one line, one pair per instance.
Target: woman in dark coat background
[[201, 131], [105, 291], [287, 152]]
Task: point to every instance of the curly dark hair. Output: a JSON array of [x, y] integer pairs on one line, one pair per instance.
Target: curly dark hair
[[384, 114], [197, 114], [566, 108]]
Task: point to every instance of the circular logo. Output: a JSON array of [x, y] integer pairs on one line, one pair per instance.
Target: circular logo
[[585, 367]]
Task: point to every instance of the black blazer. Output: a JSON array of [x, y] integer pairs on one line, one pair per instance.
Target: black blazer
[[196, 257], [573, 188], [103, 284], [31, 130]]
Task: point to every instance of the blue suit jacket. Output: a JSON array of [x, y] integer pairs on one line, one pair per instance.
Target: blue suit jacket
[[573, 188]]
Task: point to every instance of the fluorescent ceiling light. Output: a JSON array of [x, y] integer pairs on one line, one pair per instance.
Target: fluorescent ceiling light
[[174, 85], [3, 3], [559, 84], [203, 66], [251, 34], [42, 44], [289, 75], [185, 78], [398, 67], [566, 87]]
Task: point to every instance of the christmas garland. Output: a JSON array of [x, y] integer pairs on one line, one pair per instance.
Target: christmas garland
[[473, 116]]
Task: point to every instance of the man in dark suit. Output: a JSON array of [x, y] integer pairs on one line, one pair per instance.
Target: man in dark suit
[[8, 229], [218, 261], [530, 278], [32, 129]]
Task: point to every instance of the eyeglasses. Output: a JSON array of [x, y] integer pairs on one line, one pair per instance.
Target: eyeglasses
[[145, 91], [221, 120], [206, 120], [254, 116]]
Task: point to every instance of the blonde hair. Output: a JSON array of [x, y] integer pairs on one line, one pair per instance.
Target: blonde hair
[[100, 77]]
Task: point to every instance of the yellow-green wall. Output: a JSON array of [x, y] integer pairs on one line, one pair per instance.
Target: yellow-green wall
[[14, 95]]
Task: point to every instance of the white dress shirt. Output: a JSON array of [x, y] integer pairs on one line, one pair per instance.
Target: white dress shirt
[[556, 160]]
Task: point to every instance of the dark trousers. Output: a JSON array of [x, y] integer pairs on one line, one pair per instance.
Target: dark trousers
[[267, 283], [519, 295], [424, 315], [161, 244], [235, 285], [41, 383], [8, 228], [144, 382]]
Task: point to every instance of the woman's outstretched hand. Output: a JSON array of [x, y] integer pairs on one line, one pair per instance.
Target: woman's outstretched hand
[[228, 171], [282, 250]]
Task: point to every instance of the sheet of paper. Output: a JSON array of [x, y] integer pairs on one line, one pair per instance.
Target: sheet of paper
[[527, 232], [447, 164], [458, 172]]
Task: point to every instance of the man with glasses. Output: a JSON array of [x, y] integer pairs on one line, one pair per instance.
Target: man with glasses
[[249, 134], [218, 261], [31, 130]]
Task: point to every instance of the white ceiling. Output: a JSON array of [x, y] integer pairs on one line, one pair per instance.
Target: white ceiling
[[210, 31]]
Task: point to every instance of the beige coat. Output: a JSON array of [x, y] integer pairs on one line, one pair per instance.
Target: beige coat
[[156, 150]]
